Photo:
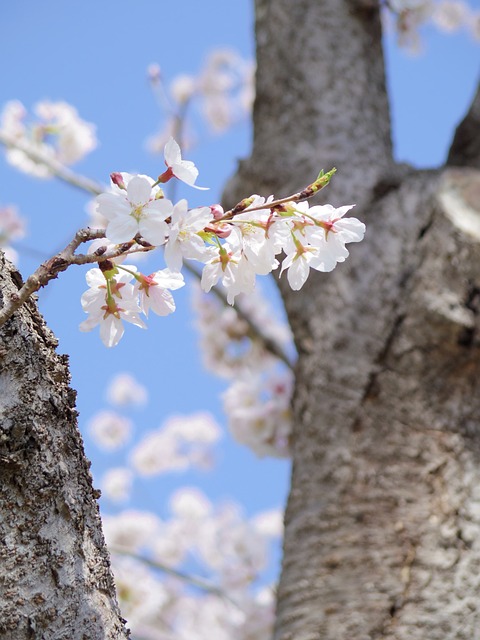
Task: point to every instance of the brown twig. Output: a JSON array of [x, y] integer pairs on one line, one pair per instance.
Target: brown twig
[[50, 269]]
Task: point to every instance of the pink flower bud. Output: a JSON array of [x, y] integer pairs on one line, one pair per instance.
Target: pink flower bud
[[217, 211], [117, 179]]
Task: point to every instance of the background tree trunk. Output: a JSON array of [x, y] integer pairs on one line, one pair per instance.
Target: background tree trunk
[[383, 520], [55, 579]]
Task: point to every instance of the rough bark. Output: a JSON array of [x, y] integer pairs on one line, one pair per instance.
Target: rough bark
[[382, 535], [383, 520], [55, 579]]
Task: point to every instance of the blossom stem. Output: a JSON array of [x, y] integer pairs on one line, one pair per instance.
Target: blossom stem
[[313, 188], [132, 273]]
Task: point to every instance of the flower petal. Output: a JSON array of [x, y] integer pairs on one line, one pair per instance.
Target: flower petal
[[172, 153], [139, 190], [121, 229]]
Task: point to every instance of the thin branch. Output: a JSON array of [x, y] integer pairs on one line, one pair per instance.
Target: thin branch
[[56, 168], [243, 206], [195, 581], [269, 343], [50, 269]]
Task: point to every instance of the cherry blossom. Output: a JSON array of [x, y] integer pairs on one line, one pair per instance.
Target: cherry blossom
[[108, 301], [269, 523], [226, 87], [144, 597], [319, 242], [183, 88], [117, 484], [184, 170], [110, 430], [154, 291], [450, 15], [124, 390], [176, 445], [136, 208], [184, 239], [190, 503], [75, 137], [259, 413], [227, 264], [226, 340], [131, 530], [262, 235], [58, 133]]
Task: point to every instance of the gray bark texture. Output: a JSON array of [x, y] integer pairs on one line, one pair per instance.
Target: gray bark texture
[[55, 579], [382, 536]]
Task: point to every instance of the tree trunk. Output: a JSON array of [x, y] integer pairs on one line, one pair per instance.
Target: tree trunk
[[55, 579], [382, 532]]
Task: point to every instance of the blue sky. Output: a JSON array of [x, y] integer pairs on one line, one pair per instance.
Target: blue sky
[[95, 55]]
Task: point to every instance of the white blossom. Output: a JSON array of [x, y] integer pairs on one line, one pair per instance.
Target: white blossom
[[144, 598], [183, 88], [190, 503], [125, 390], [227, 343], [180, 443], [184, 170], [75, 137], [450, 15], [258, 411], [130, 530], [226, 86], [108, 303], [320, 242], [183, 240], [57, 134], [117, 483], [263, 235], [109, 430], [135, 209], [154, 291], [227, 264], [269, 523]]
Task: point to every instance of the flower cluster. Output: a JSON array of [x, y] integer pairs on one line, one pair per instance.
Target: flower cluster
[[57, 133], [259, 414], [234, 246], [197, 567], [217, 542], [257, 403], [182, 442], [228, 343]]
